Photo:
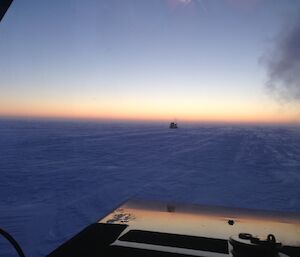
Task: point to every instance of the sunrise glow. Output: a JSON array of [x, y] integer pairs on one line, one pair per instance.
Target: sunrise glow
[[173, 59]]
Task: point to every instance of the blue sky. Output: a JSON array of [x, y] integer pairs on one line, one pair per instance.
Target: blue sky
[[141, 59]]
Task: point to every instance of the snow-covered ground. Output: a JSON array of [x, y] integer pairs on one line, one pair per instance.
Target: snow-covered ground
[[58, 177]]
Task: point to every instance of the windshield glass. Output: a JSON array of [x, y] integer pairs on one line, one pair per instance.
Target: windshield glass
[[193, 101]]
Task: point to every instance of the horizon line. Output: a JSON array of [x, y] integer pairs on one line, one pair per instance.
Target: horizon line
[[146, 120]]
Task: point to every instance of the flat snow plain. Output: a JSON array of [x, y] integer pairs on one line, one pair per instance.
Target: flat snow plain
[[58, 177]]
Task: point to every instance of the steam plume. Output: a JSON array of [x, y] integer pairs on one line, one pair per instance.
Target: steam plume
[[283, 63]]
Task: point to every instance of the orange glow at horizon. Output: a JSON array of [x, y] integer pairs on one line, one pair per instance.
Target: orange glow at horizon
[[152, 108], [151, 113]]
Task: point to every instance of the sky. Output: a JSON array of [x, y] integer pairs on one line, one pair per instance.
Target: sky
[[193, 60]]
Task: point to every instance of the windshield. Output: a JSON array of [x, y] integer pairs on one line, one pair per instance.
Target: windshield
[[191, 101]]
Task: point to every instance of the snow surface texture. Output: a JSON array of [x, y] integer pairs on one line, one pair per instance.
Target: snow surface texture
[[58, 177]]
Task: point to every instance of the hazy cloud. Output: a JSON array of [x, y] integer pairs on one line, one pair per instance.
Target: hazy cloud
[[283, 62], [184, 3]]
